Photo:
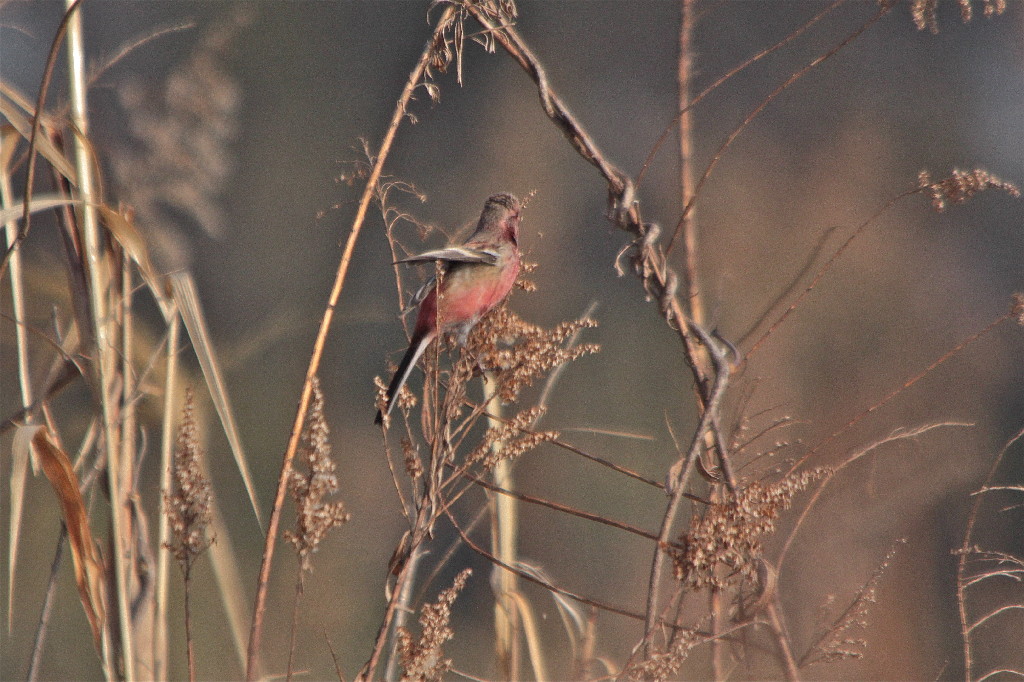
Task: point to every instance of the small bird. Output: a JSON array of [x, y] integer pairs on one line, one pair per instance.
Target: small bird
[[477, 276]]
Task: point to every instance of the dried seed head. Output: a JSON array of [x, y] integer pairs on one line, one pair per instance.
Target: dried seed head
[[521, 352], [512, 439], [924, 11], [665, 665], [424, 659], [1017, 308], [188, 503], [961, 186], [723, 546], [311, 484]]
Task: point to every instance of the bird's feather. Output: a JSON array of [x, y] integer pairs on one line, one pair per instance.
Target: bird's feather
[[456, 254]]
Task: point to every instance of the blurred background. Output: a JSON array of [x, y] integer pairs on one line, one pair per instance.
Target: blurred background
[[274, 98]]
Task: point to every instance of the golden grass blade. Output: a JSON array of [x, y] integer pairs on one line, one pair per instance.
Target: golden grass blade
[[19, 468], [40, 202], [184, 292], [532, 633], [8, 142], [122, 227], [23, 124], [225, 563], [89, 574]]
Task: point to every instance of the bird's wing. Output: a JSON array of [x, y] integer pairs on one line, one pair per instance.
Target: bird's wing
[[457, 254], [420, 294]]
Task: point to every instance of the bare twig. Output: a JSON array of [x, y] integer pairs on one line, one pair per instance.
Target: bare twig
[[679, 477], [885, 8], [966, 550], [259, 608]]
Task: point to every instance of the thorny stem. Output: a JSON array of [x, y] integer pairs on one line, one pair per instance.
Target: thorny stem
[[657, 277], [256, 632]]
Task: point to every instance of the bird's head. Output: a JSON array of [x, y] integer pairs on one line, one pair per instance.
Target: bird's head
[[501, 214]]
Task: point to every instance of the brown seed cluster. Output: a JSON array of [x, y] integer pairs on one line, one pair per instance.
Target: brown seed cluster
[[189, 500], [1017, 308], [924, 11], [961, 186], [723, 546], [309, 487], [521, 352], [664, 665], [511, 439], [424, 660]]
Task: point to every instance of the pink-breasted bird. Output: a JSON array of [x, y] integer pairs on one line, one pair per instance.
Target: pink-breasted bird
[[476, 277]]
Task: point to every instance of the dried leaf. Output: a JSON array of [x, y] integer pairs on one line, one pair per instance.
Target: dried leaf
[[89, 574], [23, 124], [122, 227]]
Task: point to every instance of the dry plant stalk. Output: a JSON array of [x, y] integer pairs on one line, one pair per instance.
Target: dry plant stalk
[[188, 506], [415, 78], [314, 517], [423, 659]]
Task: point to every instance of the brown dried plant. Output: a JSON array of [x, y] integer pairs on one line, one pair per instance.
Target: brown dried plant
[[188, 508], [309, 485], [423, 660], [725, 545], [660, 666], [182, 131], [838, 643], [924, 12], [961, 186], [314, 517], [189, 500]]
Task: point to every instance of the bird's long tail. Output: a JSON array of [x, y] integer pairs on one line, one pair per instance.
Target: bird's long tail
[[416, 349]]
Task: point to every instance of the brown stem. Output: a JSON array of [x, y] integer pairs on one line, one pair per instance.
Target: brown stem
[[778, 629], [188, 622], [680, 476], [695, 305], [295, 619], [256, 632]]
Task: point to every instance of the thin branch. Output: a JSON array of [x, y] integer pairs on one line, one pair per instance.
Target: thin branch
[[679, 477], [966, 549], [415, 76], [728, 75], [886, 7], [900, 389], [537, 581], [824, 269]]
